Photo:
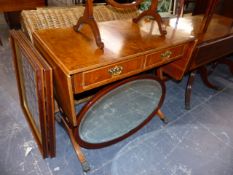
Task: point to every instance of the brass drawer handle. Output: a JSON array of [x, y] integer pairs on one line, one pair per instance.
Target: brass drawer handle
[[117, 70], [166, 54]]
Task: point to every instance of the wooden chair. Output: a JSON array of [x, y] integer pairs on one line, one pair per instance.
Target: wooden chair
[[214, 41]]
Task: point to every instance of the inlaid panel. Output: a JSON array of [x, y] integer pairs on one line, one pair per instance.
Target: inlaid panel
[[29, 84]]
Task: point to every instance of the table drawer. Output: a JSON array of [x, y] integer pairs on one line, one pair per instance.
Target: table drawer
[[164, 56], [100, 76]]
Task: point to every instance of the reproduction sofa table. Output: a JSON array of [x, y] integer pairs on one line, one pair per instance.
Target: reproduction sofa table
[[78, 66]]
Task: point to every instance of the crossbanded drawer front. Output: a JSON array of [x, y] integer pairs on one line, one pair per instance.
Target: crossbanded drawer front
[[112, 72], [164, 56]]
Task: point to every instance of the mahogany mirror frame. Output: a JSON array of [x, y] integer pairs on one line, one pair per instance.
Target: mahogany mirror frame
[[106, 90]]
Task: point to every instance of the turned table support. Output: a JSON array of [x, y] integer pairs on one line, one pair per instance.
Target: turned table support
[[227, 62], [188, 90], [69, 129], [204, 76]]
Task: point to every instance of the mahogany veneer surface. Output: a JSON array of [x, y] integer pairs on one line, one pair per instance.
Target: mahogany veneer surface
[[219, 27], [215, 43], [130, 48], [77, 52]]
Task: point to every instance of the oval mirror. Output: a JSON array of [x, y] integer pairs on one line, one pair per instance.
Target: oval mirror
[[119, 110]]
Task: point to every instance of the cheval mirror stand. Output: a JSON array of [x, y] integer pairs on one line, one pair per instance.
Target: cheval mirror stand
[[65, 63], [88, 18]]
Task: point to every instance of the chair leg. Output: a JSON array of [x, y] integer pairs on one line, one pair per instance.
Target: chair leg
[[1, 42], [204, 77], [188, 90]]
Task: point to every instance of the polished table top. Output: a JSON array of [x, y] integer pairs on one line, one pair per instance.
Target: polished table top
[[77, 52], [215, 43], [123, 39], [219, 27]]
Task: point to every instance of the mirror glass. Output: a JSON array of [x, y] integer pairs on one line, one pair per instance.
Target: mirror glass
[[120, 110]]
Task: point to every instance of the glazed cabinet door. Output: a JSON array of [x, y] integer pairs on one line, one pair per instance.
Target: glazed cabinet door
[[34, 79]]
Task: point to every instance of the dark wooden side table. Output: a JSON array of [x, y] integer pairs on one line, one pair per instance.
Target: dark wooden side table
[[214, 44], [224, 7]]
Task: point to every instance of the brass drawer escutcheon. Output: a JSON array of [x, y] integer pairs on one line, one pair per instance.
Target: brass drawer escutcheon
[[117, 70], [166, 54]]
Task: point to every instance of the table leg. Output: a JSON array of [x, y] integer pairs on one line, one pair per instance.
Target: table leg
[[204, 77], [188, 90], [162, 116], [224, 61], [227, 62], [160, 74], [77, 148]]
